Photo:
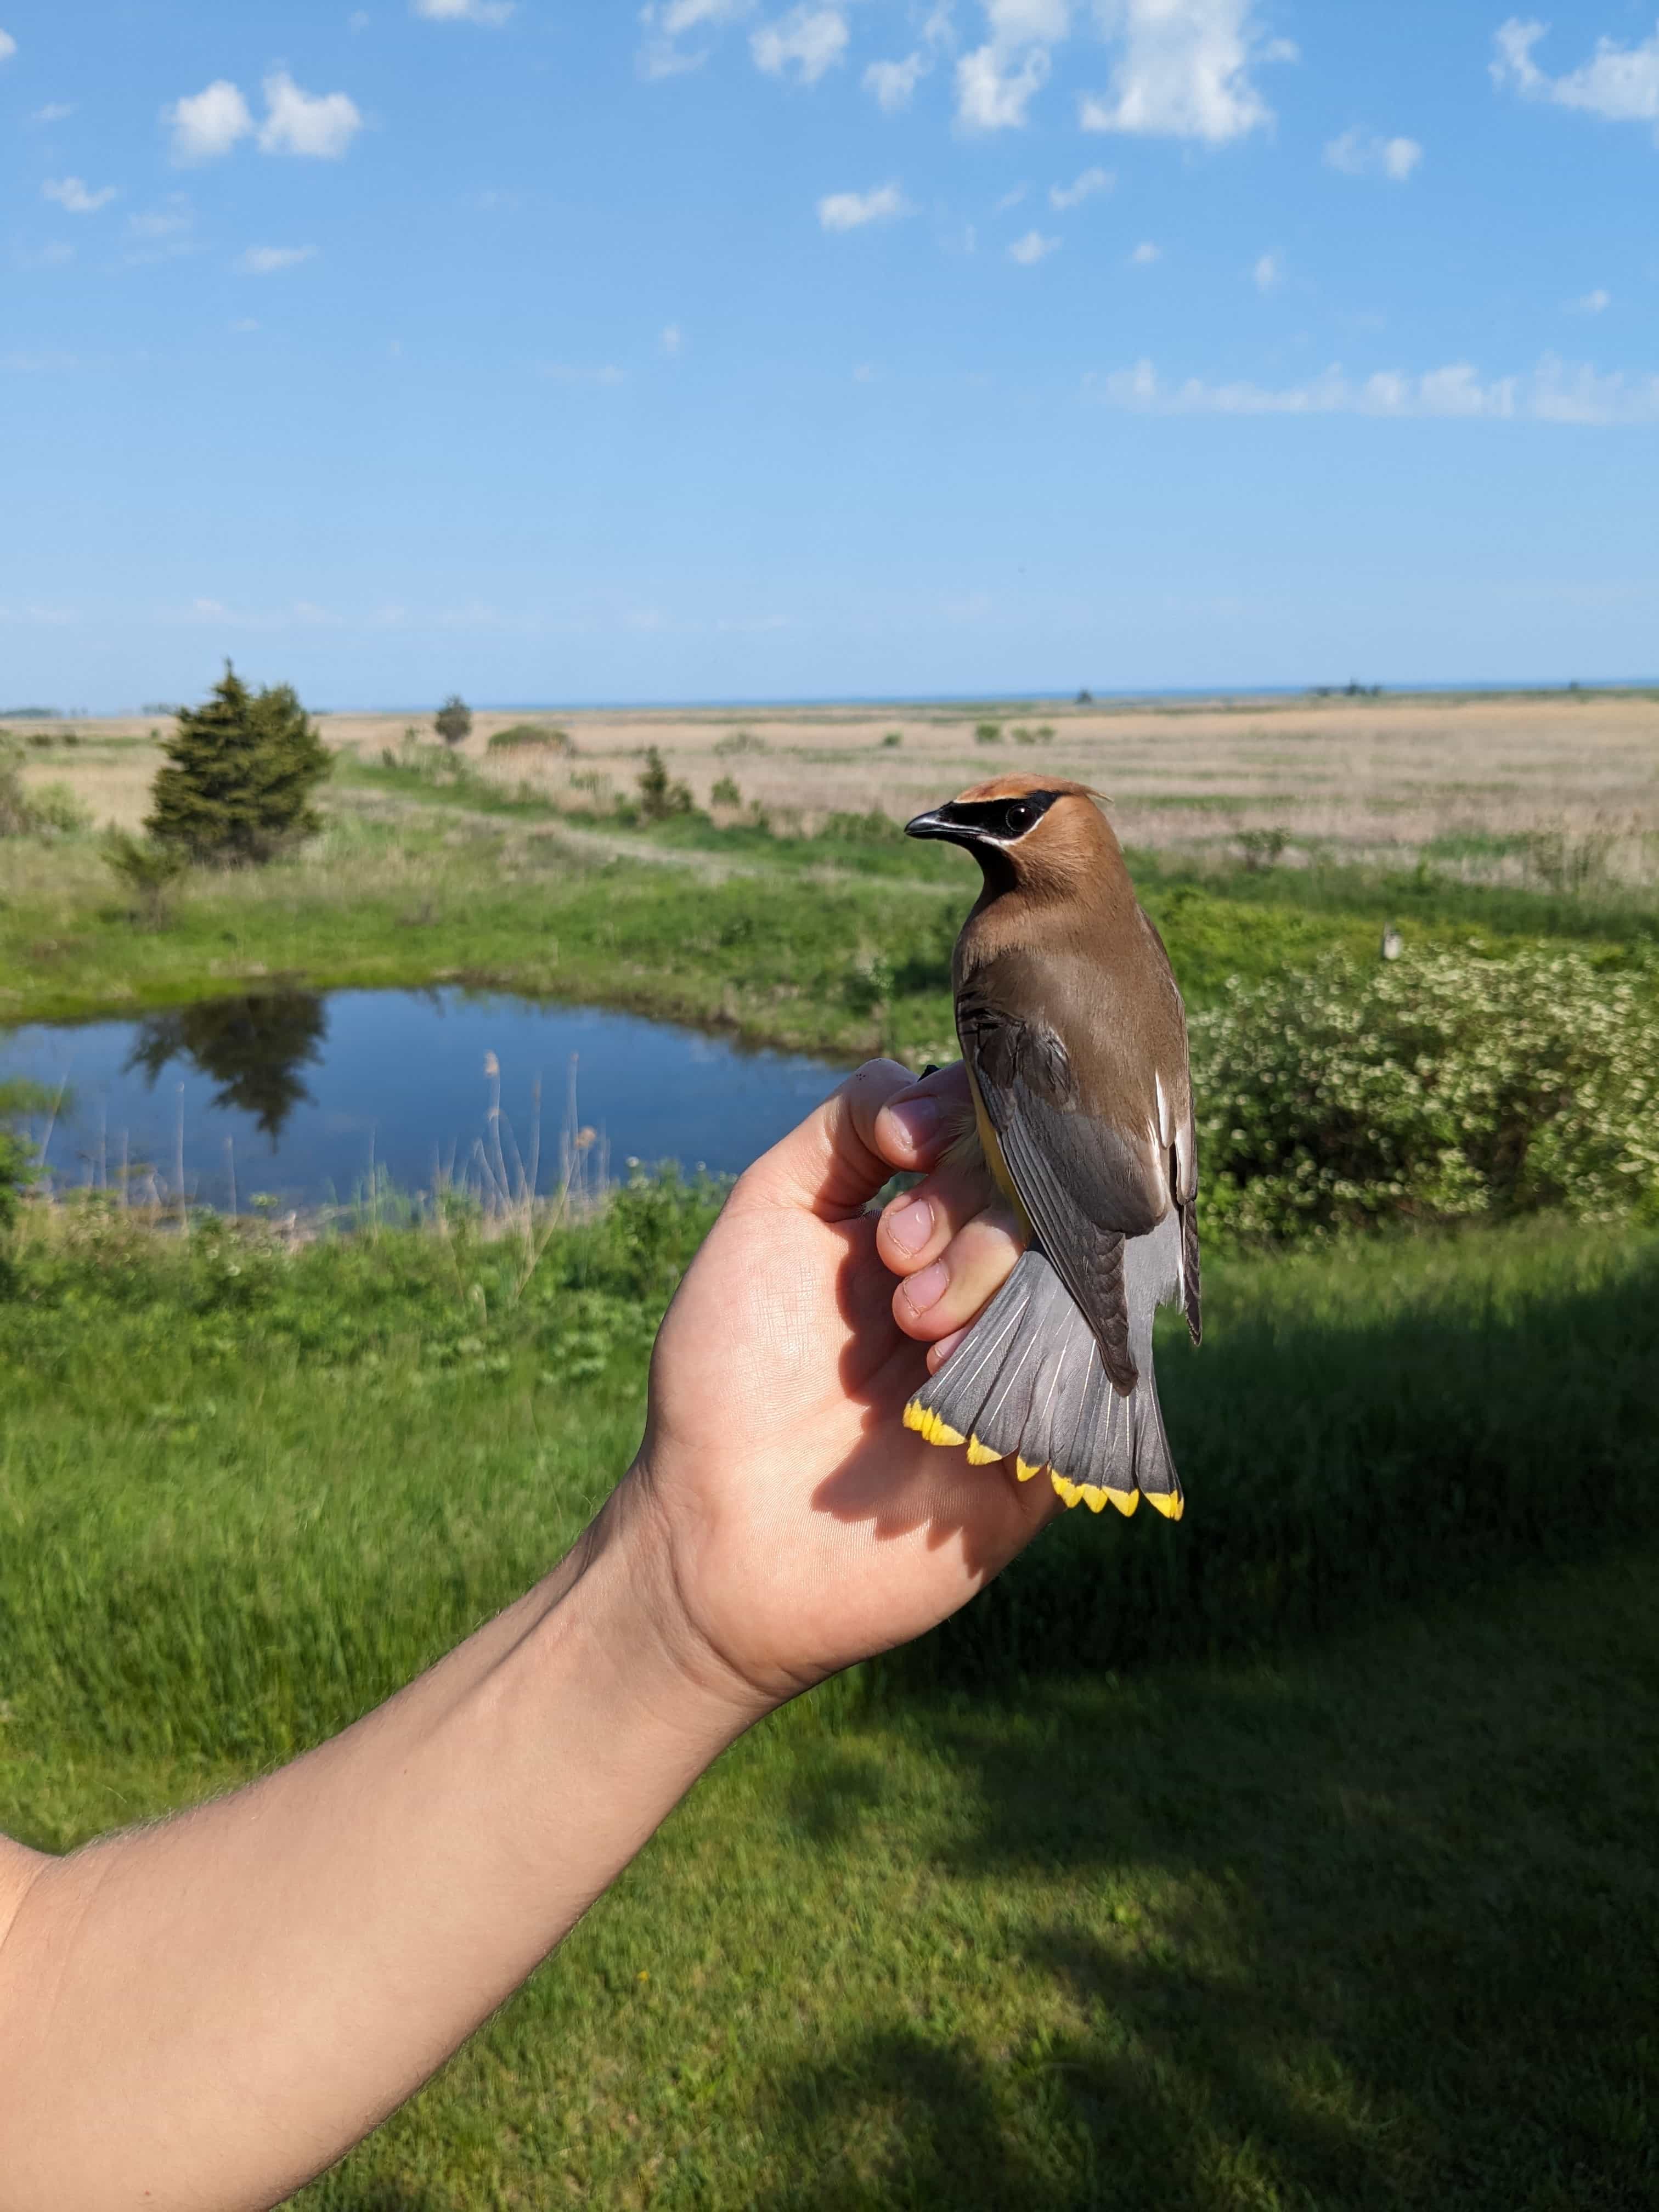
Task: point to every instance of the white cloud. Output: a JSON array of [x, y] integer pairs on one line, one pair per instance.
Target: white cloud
[[994, 91], [243, 324], [55, 111], [1010, 199], [1021, 23], [1184, 72], [806, 41], [672, 340], [997, 81], [463, 11], [1146, 253], [1359, 153], [208, 124], [677, 16], [7, 45], [1032, 248], [1267, 273], [358, 19], [318, 126], [667, 21], [1083, 188], [893, 83], [75, 197], [1593, 303], [266, 261], [1619, 83], [851, 211], [1556, 391]]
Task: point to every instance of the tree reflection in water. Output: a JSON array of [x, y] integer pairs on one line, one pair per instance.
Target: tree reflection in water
[[253, 1048]]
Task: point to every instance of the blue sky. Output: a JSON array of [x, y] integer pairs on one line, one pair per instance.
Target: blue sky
[[723, 349]]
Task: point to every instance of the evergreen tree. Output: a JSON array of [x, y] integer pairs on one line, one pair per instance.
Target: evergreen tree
[[243, 767]]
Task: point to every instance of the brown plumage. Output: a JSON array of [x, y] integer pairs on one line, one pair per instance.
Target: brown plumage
[[1075, 1041]]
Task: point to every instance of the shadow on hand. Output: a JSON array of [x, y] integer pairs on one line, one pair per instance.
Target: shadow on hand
[[891, 1480]]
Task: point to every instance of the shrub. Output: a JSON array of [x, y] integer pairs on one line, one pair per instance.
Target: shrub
[[242, 771], [725, 793], [658, 797], [453, 719], [1436, 1088], [893, 740], [527, 735], [1262, 848], [52, 809], [988, 733], [740, 741], [148, 870], [18, 1162]]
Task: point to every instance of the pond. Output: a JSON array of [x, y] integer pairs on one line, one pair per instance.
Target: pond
[[301, 1099]]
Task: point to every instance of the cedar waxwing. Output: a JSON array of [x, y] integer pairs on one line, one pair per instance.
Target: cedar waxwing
[[1075, 1041]]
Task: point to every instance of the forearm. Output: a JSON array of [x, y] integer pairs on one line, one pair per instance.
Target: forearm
[[206, 2013]]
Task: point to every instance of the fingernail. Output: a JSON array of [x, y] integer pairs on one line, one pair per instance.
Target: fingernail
[[910, 1226], [919, 1118], [928, 1288]]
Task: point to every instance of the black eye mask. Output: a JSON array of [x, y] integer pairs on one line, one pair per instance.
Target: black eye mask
[[1003, 818]]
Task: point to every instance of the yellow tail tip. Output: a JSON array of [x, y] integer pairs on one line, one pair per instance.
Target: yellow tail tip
[[928, 1425], [1025, 1470], [981, 1454], [1125, 1500], [1168, 1502], [1067, 1492], [1093, 1497]]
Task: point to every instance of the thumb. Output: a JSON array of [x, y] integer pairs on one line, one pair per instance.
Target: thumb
[[830, 1165]]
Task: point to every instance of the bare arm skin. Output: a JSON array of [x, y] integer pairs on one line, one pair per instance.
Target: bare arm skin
[[204, 2014]]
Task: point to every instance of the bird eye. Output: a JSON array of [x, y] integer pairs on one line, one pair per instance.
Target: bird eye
[[1020, 818]]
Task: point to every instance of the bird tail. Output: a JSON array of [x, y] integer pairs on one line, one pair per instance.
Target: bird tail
[[1028, 1384]]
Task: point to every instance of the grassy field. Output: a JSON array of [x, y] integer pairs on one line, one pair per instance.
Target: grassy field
[[1123, 1892], [1298, 1857], [838, 941], [1523, 789]]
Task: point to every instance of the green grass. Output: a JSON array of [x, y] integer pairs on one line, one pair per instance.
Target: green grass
[[840, 943], [1145, 1917]]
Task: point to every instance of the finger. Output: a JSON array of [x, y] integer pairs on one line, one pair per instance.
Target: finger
[[830, 1165], [915, 1227], [939, 1352], [948, 1293], [918, 1122]]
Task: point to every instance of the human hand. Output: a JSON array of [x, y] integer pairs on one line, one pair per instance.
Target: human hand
[[794, 1524]]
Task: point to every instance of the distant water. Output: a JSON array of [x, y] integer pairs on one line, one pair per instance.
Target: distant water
[[296, 1095]]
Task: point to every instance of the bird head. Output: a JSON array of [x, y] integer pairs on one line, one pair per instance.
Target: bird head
[[1030, 832]]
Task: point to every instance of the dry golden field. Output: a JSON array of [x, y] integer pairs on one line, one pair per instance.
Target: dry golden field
[[1476, 781]]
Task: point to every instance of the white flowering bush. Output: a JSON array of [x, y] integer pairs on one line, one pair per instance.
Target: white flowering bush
[[1443, 1087]]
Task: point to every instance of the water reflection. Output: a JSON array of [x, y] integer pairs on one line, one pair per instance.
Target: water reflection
[[251, 1049], [329, 1095]]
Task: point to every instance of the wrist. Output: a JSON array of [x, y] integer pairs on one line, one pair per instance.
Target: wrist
[[627, 1582]]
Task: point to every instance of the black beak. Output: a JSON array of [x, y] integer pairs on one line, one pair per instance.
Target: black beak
[[935, 825]]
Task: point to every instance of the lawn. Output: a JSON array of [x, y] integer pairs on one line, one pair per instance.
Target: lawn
[[1125, 1892]]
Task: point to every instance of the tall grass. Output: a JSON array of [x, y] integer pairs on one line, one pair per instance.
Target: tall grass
[[249, 1489]]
